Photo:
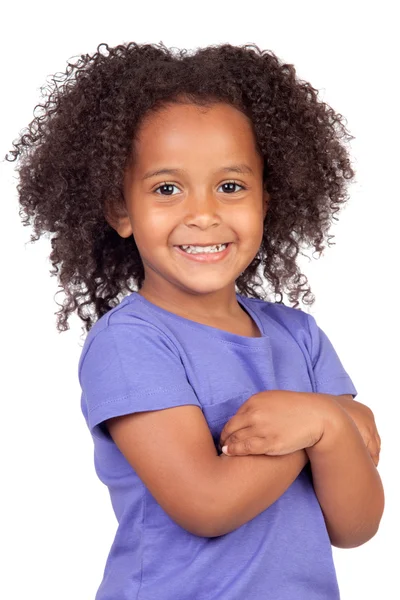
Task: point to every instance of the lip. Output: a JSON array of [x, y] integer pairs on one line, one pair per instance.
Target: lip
[[204, 257]]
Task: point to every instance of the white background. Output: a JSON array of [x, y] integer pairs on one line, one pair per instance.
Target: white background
[[57, 522]]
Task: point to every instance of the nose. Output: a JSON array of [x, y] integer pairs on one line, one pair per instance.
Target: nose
[[202, 209]]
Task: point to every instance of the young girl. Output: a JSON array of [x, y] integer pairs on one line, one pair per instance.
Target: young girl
[[172, 182]]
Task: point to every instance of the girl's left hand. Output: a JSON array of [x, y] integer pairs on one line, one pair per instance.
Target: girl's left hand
[[277, 422], [364, 420]]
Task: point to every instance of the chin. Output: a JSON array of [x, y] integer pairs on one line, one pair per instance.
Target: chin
[[206, 288]]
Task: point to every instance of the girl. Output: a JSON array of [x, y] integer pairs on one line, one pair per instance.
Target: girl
[[171, 182]]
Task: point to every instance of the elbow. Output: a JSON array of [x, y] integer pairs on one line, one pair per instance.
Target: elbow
[[205, 526], [201, 515], [198, 522], [355, 538], [354, 541], [210, 522], [363, 531], [210, 514], [217, 525]]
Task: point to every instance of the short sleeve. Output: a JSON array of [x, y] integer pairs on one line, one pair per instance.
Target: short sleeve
[[131, 367], [329, 373]]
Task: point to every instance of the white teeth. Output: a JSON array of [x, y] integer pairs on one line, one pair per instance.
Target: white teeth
[[203, 249]]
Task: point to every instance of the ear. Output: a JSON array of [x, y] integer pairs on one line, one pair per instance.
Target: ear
[[118, 218]]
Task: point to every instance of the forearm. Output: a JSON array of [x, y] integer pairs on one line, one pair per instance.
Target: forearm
[[247, 485], [346, 482]]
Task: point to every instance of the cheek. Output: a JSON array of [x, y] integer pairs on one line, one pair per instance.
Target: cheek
[[251, 228], [151, 227]]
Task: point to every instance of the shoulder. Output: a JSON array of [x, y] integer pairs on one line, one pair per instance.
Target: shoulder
[[286, 323], [126, 328], [292, 319]]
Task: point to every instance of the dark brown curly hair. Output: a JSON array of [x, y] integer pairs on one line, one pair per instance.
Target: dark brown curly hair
[[73, 156]]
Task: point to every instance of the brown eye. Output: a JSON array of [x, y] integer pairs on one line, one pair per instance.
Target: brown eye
[[164, 186], [231, 185]]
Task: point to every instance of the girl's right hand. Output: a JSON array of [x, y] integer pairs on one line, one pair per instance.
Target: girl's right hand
[[364, 420]]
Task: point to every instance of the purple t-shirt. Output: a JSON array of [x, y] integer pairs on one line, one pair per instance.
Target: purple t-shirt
[[140, 357]]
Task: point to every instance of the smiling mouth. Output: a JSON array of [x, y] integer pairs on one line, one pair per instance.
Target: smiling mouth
[[204, 245], [194, 249], [209, 256]]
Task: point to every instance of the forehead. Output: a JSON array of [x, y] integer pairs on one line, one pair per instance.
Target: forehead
[[220, 129]]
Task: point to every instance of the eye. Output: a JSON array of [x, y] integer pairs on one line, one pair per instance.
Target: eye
[[232, 184], [165, 185]]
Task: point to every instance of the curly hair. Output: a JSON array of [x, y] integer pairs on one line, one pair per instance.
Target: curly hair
[[73, 156]]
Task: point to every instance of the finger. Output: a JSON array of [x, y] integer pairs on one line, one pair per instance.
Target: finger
[[375, 459], [373, 450], [238, 421], [238, 436], [241, 434], [372, 447], [375, 453], [249, 445], [377, 447]]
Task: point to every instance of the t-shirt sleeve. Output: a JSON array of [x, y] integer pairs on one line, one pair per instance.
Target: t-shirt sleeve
[[329, 373], [131, 368]]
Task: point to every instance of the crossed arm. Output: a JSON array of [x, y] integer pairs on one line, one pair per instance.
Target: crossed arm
[[342, 446], [347, 484]]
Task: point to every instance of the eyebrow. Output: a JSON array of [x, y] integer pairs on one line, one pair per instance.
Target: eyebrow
[[240, 168]]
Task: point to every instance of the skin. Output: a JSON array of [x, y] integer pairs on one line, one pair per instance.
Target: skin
[[199, 207]]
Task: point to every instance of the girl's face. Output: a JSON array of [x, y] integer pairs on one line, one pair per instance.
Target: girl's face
[[211, 194]]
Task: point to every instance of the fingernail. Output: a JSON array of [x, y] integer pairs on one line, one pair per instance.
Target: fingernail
[[225, 449]]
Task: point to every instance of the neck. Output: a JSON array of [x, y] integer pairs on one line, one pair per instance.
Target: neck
[[221, 304]]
